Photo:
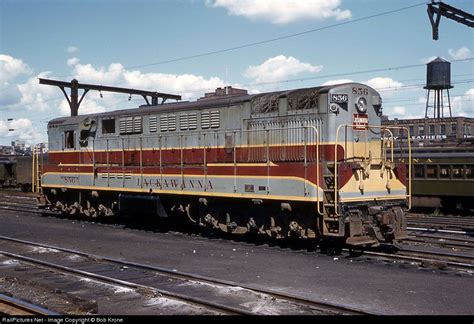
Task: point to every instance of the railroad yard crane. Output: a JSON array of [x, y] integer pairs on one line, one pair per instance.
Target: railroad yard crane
[[441, 9]]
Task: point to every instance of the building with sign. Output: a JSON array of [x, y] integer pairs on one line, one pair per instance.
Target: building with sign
[[433, 130]]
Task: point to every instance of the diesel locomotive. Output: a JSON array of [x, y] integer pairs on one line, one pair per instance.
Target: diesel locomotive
[[306, 163]]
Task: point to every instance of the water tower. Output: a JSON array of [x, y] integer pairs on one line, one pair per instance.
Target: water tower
[[438, 78]]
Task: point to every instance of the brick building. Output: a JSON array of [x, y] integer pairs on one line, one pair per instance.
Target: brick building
[[431, 130]]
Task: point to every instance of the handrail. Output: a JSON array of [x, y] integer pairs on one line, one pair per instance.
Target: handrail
[[318, 138], [36, 166], [267, 150], [141, 162], [302, 138], [33, 182]]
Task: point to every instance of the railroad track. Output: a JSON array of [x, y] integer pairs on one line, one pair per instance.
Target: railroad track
[[455, 259], [424, 258], [19, 203], [12, 196], [223, 297], [406, 254], [443, 241], [456, 223], [14, 306], [15, 207], [438, 230]]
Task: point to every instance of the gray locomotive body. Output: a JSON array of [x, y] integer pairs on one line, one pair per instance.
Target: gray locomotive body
[[307, 162]]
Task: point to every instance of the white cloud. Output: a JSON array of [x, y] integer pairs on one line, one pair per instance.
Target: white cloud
[[9, 94], [91, 105], [187, 85], [22, 129], [279, 68], [463, 105], [37, 97], [384, 85], [72, 49], [399, 110], [27, 99], [10, 68], [3, 128], [72, 61], [460, 54], [283, 11], [49, 102], [332, 82]]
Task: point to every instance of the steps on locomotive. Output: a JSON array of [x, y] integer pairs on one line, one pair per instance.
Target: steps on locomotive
[[329, 181], [328, 190], [333, 224]]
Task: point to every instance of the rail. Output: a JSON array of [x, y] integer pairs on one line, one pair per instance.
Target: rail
[[237, 304], [14, 306]]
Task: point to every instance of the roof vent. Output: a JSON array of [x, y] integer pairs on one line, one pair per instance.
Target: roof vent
[[224, 92]]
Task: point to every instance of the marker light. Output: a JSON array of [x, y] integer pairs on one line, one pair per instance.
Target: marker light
[[361, 105]]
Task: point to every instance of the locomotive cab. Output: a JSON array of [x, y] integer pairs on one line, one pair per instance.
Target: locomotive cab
[[369, 188]]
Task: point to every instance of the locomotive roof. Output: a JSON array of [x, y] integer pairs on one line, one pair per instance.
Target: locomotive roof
[[187, 105]]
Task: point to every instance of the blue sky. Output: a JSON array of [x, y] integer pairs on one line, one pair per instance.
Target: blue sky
[[118, 43]]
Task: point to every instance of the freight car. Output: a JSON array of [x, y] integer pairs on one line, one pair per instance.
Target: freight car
[[16, 171], [7, 171], [23, 172], [306, 163]]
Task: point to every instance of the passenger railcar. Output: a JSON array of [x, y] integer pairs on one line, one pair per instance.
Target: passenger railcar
[[443, 178], [308, 163]]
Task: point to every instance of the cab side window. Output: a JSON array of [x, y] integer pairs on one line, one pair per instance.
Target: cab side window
[[69, 139]]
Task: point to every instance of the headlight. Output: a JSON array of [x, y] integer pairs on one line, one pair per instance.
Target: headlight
[[361, 105]]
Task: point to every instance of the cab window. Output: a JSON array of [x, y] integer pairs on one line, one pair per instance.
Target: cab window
[[69, 139]]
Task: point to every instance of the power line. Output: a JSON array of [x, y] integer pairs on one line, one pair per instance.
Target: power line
[[278, 38], [416, 104], [423, 103], [413, 99], [420, 85], [394, 68], [272, 39], [386, 89]]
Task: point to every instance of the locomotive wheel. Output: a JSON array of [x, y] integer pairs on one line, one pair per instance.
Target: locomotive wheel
[[75, 209], [275, 230], [89, 210]]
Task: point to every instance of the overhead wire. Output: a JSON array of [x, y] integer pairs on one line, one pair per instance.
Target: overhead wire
[[266, 41], [296, 35]]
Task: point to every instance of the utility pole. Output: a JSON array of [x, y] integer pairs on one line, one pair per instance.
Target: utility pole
[[441, 9], [75, 102]]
